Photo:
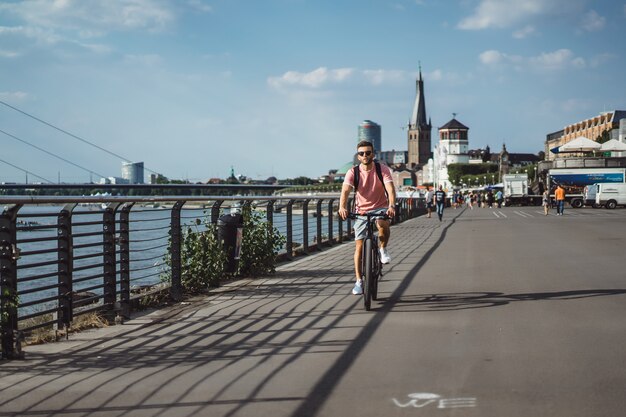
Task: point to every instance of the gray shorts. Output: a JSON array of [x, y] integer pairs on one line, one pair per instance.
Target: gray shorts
[[360, 224]]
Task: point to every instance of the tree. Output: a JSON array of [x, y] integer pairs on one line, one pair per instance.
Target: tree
[[486, 154]]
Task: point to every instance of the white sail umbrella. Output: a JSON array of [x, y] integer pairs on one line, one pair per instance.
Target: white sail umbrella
[[613, 145], [580, 144]]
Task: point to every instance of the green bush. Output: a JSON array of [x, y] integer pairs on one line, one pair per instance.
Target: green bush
[[260, 245], [203, 258]]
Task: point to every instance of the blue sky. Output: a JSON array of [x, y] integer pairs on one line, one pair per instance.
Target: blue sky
[[278, 87]]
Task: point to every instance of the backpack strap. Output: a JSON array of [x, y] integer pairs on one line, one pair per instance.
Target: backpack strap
[[355, 179], [379, 173]]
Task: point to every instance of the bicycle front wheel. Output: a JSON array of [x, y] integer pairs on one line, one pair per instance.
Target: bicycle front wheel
[[368, 273]]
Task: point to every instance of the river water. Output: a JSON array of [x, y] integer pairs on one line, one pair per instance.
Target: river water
[[149, 235]]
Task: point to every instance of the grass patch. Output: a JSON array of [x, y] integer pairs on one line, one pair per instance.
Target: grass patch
[[49, 334]]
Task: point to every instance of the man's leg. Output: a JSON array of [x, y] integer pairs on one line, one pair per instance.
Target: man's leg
[[383, 238], [358, 285], [383, 232], [357, 258]]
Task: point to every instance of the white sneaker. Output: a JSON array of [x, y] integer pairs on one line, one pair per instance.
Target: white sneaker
[[384, 256]]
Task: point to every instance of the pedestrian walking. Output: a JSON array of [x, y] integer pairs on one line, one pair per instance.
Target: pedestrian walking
[[559, 196], [440, 201], [545, 202], [428, 198], [490, 199]]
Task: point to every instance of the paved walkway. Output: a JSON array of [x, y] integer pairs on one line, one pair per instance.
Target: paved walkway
[[272, 346], [490, 313]]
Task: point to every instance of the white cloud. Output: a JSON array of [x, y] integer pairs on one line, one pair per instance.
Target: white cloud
[[8, 54], [381, 76], [13, 96], [503, 13], [324, 77], [148, 60], [40, 35], [92, 14], [557, 60], [436, 75], [200, 6], [547, 61], [491, 57], [525, 32], [314, 79], [592, 21], [601, 59]]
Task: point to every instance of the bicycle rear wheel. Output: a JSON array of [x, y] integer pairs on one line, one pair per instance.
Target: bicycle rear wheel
[[368, 273]]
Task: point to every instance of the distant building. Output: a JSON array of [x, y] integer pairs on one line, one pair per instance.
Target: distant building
[[371, 132], [452, 149], [605, 124], [113, 180], [133, 172], [393, 157], [419, 130]]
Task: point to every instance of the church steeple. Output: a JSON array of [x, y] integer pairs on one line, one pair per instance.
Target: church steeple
[[418, 117], [419, 131]]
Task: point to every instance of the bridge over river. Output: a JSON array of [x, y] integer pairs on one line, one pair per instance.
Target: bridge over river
[[490, 313]]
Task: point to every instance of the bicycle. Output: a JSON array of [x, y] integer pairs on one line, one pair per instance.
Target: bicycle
[[371, 265]]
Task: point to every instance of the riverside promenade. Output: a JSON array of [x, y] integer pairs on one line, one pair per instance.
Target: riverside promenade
[[492, 312]]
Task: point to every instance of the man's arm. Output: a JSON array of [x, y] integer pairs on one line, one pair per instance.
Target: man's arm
[[391, 191], [343, 201]]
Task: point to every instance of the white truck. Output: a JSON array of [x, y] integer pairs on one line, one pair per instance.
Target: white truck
[[515, 189], [575, 179], [610, 195]]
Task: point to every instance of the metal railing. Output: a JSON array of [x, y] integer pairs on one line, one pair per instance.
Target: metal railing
[[61, 257]]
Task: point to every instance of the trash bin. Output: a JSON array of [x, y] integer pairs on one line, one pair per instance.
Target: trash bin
[[230, 234]]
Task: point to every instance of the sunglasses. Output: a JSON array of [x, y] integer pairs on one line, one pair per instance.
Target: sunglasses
[[368, 153]]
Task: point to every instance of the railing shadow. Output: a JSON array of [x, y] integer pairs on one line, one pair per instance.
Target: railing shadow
[[202, 350], [471, 300]]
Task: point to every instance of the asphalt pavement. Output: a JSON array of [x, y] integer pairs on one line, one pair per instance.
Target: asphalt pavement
[[492, 312]]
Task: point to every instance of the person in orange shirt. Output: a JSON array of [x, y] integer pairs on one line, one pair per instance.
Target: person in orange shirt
[[559, 196]]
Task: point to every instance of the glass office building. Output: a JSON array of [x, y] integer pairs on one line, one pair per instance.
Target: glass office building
[[133, 172], [370, 131]]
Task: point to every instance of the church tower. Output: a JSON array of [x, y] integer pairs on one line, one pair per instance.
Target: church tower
[[419, 130]]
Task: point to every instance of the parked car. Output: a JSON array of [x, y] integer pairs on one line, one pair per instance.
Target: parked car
[[610, 195]]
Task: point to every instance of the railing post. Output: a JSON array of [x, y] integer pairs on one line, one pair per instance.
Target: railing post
[[330, 221], [8, 281], [289, 243], [176, 288], [318, 210], [65, 245], [109, 258], [270, 212], [124, 244], [215, 211], [305, 226]]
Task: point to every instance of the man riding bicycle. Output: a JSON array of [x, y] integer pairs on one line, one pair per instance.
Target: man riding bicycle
[[376, 194]]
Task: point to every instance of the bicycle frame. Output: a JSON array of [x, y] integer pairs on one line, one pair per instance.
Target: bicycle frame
[[371, 266]]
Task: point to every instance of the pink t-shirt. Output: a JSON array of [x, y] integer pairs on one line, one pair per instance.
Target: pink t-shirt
[[371, 192]]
